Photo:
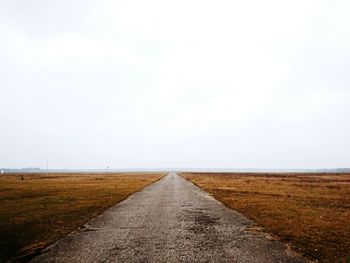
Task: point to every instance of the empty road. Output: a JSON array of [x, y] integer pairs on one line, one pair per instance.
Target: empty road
[[171, 220]]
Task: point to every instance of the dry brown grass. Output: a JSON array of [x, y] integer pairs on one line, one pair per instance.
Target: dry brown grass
[[309, 211], [38, 210]]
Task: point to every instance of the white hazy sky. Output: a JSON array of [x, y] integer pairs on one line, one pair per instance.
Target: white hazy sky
[[210, 84]]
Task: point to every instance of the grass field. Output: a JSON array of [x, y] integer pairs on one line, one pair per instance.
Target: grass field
[[37, 210], [311, 212]]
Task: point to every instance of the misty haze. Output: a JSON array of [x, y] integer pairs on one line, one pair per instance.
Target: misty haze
[[122, 123]]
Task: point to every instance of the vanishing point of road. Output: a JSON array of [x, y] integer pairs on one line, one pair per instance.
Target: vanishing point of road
[[171, 220]]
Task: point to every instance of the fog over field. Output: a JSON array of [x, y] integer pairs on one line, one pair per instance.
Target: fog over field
[[151, 84]]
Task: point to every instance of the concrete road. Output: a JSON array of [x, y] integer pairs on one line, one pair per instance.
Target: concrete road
[[171, 220]]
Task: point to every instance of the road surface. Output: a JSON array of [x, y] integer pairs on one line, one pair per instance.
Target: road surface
[[171, 220]]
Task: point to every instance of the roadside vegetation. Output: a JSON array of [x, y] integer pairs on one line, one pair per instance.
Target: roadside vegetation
[[36, 210], [311, 212]]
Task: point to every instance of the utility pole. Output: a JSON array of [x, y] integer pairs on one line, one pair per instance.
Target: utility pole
[[47, 166]]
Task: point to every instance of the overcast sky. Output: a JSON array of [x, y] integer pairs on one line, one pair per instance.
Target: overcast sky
[[150, 84]]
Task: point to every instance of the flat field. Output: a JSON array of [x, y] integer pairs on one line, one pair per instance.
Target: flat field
[[311, 212], [37, 210]]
